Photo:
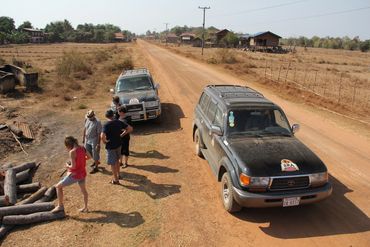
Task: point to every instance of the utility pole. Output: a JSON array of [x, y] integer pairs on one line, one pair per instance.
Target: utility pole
[[204, 22], [166, 23]]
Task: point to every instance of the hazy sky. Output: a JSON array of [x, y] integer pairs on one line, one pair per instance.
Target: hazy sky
[[284, 17]]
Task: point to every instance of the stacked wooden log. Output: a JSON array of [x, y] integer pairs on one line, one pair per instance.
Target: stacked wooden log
[[21, 202]]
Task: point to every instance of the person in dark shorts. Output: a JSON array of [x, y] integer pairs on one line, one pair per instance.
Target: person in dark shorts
[[117, 105], [111, 135], [125, 149]]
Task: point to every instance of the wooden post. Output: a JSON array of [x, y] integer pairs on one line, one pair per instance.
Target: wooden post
[[49, 195], [28, 188], [295, 72], [10, 188], [325, 82], [287, 71], [4, 201], [26, 209], [32, 218], [22, 176], [4, 229], [279, 72], [272, 78], [314, 83], [304, 78], [24, 166], [340, 87], [34, 197], [265, 69]]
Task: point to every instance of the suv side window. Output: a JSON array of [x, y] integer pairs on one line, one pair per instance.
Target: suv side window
[[211, 112], [204, 102], [218, 118]]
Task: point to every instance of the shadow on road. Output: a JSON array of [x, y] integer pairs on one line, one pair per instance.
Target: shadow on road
[[168, 122], [124, 220], [335, 215], [152, 154], [154, 168], [142, 183]]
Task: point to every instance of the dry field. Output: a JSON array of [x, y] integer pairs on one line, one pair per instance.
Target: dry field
[[338, 80]]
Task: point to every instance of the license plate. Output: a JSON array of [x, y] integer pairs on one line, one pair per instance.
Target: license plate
[[292, 201]]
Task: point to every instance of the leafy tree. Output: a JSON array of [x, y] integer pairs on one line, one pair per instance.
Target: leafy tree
[[230, 40], [25, 24], [6, 25]]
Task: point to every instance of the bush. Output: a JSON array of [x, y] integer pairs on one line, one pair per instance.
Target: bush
[[226, 56], [73, 63], [101, 56], [82, 106], [118, 65]]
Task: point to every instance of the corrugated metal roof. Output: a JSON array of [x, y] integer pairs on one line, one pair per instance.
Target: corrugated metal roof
[[27, 133], [261, 33]]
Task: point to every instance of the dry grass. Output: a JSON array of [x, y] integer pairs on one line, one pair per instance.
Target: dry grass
[[335, 79]]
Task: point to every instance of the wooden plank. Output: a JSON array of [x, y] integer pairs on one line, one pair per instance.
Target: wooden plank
[[24, 127], [26, 209], [34, 197]]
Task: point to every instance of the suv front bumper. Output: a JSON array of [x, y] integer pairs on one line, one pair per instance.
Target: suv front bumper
[[275, 199], [145, 113]]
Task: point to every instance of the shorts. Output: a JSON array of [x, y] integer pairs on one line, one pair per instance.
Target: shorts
[[113, 156], [93, 150], [68, 180], [125, 148]]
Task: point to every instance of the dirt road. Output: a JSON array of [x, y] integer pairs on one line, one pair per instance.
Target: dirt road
[[170, 197]]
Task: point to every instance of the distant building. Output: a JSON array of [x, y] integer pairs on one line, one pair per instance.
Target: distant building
[[172, 38], [187, 38], [220, 35], [36, 35], [264, 39], [119, 37], [197, 42]]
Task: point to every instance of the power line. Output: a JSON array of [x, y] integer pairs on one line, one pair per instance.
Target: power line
[[264, 8], [204, 22], [317, 15]]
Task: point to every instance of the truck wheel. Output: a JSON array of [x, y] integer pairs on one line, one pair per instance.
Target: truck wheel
[[227, 194], [197, 141]]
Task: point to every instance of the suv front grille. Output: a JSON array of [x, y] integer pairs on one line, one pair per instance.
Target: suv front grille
[[288, 183], [134, 108]]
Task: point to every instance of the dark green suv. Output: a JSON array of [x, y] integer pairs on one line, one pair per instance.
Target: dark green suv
[[252, 150]]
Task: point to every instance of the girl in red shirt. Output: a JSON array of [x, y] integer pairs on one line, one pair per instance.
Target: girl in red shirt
[[76, 172]]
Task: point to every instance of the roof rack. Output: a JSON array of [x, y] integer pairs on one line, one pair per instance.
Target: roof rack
[[132, 71], [244, 92]]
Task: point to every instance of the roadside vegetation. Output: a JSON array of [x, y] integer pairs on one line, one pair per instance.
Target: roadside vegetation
[[335, 79]]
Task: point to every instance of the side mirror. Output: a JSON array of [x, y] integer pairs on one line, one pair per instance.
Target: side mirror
[[216, 130], [157, 86], [111, 90], [295, 128]]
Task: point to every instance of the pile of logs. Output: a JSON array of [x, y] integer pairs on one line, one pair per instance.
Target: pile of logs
[[24, 203]]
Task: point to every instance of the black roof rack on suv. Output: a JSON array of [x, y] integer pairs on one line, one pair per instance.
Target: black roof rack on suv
[[235, 91]]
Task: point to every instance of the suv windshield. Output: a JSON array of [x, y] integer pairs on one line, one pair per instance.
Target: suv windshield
[[134, 83], [257, 122]]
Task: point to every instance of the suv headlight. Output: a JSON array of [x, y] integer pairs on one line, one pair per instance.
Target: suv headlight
[[318, 179], [254, 182], [151, 103]]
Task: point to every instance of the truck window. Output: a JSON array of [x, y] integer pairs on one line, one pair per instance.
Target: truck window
[[218, 118], [204, 102], [211, 112]]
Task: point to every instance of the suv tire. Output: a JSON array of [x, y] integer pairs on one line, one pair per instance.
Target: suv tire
[[227, 194], [198, 143]]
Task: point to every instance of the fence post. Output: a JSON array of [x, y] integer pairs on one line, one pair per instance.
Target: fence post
[[314, 83], [279, 72], [272, 78], [287, 71], [295, 73], [304, 78], [265, 69], [340, 87]]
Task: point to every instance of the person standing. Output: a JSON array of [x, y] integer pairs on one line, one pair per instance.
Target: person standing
[[116, 106], [125, 149], [76, 172], [91, 138], [111, 135]]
